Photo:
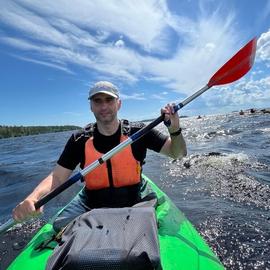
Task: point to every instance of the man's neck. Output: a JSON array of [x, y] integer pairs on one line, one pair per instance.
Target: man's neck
[[108, 129]]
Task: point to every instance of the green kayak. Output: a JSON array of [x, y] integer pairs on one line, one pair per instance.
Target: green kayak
[[181, 246]]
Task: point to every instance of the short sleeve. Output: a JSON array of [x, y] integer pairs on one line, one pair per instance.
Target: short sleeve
[[155, 140], [73, 153]]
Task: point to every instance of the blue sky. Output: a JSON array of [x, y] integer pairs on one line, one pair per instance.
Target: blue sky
[[156, 52]]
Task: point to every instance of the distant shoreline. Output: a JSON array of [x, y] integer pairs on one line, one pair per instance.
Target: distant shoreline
[[18, 131]]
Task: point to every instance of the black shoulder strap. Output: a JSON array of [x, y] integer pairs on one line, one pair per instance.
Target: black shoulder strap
[[137, 125], [89, 130], [125, 127], [86, 132]]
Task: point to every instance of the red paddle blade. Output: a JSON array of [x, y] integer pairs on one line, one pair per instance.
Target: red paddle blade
[[237, 66]]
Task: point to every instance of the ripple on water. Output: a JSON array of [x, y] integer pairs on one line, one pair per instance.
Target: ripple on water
[[241, 245]]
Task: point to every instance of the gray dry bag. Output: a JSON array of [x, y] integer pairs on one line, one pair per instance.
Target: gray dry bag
[[109, 238]]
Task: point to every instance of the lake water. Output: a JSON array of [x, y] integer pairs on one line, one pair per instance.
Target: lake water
[[222, 186]]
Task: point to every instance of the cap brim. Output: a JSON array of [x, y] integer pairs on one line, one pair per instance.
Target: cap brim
[[103, 92]]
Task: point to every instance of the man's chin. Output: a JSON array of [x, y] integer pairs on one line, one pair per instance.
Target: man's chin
[[105, 119]]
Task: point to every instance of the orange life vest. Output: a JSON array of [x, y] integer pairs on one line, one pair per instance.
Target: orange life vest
[[123, 168]]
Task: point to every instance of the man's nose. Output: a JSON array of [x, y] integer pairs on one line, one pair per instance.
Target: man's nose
[[104, 104]]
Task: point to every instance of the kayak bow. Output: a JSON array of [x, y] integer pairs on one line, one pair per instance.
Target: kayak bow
[[181, 246]]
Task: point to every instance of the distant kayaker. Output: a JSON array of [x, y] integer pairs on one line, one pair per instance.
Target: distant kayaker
[[241, 112], [116, 183]]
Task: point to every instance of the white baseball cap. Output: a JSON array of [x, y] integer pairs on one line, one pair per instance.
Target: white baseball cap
[[105, 88]]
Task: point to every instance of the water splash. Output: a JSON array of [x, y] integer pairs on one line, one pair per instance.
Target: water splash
[[224, 175]]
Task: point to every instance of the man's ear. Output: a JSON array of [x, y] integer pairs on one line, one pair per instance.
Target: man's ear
[[91, 106], [119, 104]]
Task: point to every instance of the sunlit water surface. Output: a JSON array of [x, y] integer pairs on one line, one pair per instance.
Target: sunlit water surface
[[222, 185]]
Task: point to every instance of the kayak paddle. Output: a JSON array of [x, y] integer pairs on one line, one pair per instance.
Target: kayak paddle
[[231, 71]]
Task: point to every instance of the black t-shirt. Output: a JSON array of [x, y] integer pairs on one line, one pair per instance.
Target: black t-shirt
[[74, 153]]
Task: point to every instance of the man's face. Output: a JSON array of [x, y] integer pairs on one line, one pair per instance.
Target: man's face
[[105, 107]]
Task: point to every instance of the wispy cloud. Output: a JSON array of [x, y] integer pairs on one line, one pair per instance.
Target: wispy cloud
[[245, 93], [126, 40], [31, 25], [76, 114], [134, 96], [123, 17], [251, 89], [155, 96], [263, 51], [44, 63], [160, 96]]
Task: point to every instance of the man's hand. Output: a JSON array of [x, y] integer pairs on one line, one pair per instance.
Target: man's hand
[[25, 210], [172, 116]]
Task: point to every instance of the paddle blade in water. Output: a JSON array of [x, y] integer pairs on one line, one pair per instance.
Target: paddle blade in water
[[237, 66]]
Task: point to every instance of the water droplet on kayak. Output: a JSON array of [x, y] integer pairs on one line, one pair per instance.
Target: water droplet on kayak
[[18, 245], [4, 252]]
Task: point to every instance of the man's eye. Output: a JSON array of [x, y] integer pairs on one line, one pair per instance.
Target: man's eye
[[106, 100]]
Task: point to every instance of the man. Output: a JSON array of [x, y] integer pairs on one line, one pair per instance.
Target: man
[[117, 182]]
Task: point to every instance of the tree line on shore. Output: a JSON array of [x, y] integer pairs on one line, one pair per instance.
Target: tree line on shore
[[17, 131]]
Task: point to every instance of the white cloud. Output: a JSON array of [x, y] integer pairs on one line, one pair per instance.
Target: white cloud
[[44, 63], [73, 114], [156, 96], [245, 93], [31, 25], [119, 43], [263, 49], [142, 21], [87, 34], [19, 43], [134, 96], [252, 90], [210, 44], [161, 96]]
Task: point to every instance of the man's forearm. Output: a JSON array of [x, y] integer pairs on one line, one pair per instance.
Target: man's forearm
[[44, 187], [52, 181], [178, 147]]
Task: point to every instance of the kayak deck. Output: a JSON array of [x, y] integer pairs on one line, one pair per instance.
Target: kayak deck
[[181, 246]]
